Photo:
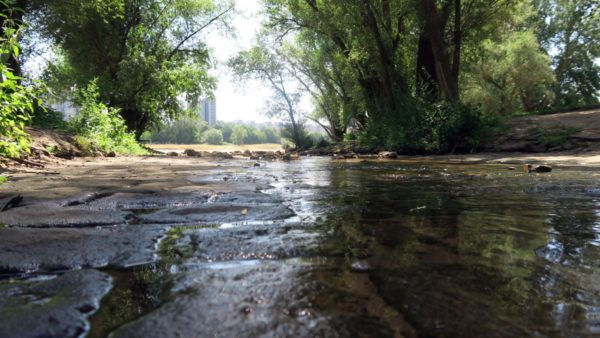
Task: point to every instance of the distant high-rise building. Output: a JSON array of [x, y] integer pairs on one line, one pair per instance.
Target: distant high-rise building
[[209, 111]]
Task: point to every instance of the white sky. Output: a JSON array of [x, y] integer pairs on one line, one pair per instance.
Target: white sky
[[234, 101]]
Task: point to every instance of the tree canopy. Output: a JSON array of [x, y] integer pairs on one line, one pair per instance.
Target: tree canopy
[[144, 54], [412, 75]]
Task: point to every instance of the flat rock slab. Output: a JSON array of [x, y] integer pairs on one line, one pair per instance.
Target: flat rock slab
[[269, 299], [224, 208], [265, 299], [273, 241], [56, 307], [46, 250], [218, 213], [150, 200], [53, 216]]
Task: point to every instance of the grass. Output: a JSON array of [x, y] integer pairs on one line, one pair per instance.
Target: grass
[[559, 137], [88, 147], [221, 148], [3, 179]]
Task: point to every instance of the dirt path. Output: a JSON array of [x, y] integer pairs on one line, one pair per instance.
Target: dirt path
[[572, 131]]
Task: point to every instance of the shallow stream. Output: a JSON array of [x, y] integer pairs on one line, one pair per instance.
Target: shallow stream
[[392, 248]]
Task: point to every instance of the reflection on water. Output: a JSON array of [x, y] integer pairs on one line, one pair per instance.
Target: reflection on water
[[455, 250], [465, 250]]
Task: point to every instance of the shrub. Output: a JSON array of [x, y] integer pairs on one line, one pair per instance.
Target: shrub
[[16, 101], [102, 125], [183, 131], [302, 141], [213, 137], [46, 117], [457, 128]]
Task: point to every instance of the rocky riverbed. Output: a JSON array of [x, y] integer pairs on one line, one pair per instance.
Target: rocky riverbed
[[186, 247]]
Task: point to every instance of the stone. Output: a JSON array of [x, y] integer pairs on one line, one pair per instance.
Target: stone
[[542, 169], [275, 241], [56, 307], [218, 213], [390, 155], [528, 168], [269, 299], [173, 154], [220, 155], [258, 300], [24, 250], [257, 164], [111, 154], [49, 215], [192, 153]]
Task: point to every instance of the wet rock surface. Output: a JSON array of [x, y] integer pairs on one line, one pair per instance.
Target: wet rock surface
[[272, 241], [266, 299], [24, 250], [56, 307], [48, 216], [315, 247]]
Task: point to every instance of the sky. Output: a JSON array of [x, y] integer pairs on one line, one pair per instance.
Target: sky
[[237, 101]]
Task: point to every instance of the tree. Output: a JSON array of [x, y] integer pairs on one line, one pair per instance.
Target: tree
[[511, 75], [213, 137], [322, 72], [144, 54], [259, 63], [569, 30], [369, 34], [239, 135], [183, 131]]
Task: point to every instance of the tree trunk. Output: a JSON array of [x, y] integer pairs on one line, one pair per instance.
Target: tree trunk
[[426, 76], [447, 79]]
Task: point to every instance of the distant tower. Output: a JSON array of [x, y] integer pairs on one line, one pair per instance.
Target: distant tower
[[209, 111]]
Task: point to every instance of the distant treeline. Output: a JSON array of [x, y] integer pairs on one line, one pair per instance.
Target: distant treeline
[[194, 131]]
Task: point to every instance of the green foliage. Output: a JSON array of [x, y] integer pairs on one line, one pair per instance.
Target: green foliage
[[145, 55], [440, 128], [239, 134], [196, 130], [102, 126], [183, 131], [213, 137], [85, 145], [269, 65], [459, 128], [46, 117], [16, 100], [3, 179], [510, 76], [568, 30], [299, 137]]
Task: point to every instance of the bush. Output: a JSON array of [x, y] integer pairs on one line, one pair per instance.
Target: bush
[[46, 117], [102, 125], [183, 131], [302, 141], [430, 128], [16, 102], [460, 128], [213, 137]]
